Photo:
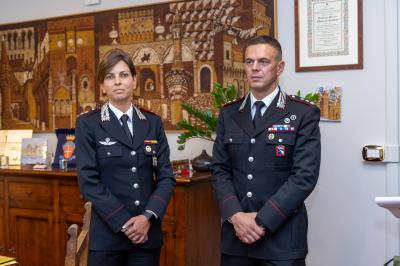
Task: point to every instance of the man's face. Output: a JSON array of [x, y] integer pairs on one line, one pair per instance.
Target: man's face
[[263, 67], [119, 83]]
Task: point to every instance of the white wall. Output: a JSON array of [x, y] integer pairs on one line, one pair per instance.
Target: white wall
[[346, 227]]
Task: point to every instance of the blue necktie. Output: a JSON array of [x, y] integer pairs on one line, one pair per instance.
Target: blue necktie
[[258, 116], [124, 119]]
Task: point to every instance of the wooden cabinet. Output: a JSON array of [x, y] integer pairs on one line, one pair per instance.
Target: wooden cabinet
[[37, 207]]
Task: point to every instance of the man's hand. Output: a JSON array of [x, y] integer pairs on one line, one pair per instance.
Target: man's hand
[[136, 229], [247, 230]]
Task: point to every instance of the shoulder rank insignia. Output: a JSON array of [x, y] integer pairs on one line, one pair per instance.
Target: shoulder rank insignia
[[300, 100], [232, 102]]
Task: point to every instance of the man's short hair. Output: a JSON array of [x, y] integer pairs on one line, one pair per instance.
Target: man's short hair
[[110, 60], [265, 39]]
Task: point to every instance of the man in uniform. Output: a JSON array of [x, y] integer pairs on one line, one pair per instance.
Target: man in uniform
[[266, 162], [127, 177]]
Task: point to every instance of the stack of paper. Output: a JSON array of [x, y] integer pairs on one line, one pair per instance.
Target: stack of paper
[[7, 261]]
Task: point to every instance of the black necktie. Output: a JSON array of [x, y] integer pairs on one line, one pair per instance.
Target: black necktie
[[258, 116], [124, 119]]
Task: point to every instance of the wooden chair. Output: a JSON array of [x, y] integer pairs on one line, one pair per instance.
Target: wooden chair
[[77, 246]]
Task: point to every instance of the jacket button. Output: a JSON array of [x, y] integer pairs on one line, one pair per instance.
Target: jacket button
[[249, 194], [133, 153], [252, 141], [251, 159], [249, 176], [136, 186], [108, 153], [137, 202], [133, 169], [230, 140]]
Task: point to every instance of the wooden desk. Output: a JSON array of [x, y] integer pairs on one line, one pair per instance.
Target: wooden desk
[[37, 207]]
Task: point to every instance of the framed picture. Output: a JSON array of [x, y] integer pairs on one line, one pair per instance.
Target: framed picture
[[328, 35]]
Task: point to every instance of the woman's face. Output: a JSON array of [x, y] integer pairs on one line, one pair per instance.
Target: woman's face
[[118, 84]]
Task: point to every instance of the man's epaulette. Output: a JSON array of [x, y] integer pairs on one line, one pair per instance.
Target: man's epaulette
[[88, 113], [147, 111], [300, 100], [233, 101]]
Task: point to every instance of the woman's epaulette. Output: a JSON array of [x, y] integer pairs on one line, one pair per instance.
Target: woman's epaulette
[[88, 113], [147, 111]]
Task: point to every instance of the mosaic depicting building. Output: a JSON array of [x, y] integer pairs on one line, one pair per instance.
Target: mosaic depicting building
[[330, 103], [180, 49]]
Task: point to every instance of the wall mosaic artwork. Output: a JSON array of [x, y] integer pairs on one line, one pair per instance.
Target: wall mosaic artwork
[[180, 49]]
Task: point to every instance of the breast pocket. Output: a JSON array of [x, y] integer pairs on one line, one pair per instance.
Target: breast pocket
[[235, 145], [109, 152], [281, 147]]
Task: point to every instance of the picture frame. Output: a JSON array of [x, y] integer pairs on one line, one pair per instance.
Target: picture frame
[[328, 35]]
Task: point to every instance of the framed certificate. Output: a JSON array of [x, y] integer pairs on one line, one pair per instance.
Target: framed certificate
[[328, 35]]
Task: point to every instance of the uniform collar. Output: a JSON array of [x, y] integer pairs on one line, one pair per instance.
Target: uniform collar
[[267, 99], [118, 113]]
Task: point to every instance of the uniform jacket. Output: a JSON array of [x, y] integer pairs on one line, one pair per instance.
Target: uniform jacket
[[270, 170], [121, 178]]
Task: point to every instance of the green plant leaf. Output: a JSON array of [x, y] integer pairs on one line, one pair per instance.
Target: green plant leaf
[[205, 120]]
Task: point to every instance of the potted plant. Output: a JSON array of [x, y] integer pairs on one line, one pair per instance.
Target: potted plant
[[205, 123]]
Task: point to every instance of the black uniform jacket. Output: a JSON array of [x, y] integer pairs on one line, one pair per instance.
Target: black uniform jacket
[[121, 178], [270, 170]]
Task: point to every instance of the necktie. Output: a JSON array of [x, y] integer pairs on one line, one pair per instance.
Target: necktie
[[258, 116], [124, 119]]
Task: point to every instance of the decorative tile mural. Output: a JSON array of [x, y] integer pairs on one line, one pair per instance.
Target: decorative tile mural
[[180, 49]]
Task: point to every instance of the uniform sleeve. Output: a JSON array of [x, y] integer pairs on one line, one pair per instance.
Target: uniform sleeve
[[164, 177], [224, 190], [303, 175], [104, 202]]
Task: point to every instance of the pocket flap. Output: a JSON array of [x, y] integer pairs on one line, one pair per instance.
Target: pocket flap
[[110, 151], [233, 139], [283, 139]]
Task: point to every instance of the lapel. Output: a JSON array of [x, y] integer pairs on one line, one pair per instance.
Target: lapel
[[274, 112], [271, 115], [114, 128], [243, 118], [140, 128]]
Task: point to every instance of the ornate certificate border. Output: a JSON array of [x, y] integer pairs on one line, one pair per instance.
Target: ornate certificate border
[[328, 35]]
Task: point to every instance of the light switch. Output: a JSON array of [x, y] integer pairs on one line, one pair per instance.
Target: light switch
[[373, 153], [92, 2]]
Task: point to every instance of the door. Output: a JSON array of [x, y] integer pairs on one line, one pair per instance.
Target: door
[[32, 237]]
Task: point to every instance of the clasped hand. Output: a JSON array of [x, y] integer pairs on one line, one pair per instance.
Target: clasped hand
[[246, 228], [136, 229]]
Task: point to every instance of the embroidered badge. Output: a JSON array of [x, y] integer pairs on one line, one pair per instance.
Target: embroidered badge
[[280, 151], [107, 142]]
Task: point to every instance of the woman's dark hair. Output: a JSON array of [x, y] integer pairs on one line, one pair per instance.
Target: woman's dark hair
[[110, 60]]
